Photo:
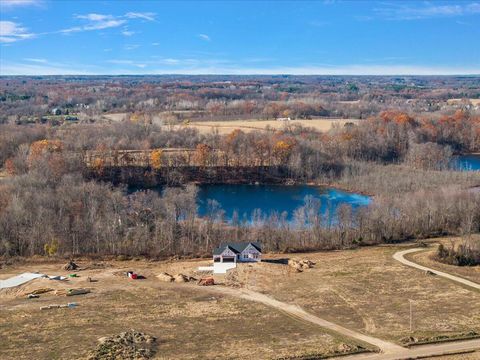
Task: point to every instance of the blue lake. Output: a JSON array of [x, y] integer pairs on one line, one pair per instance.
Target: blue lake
[[467, 163], [245, 199]]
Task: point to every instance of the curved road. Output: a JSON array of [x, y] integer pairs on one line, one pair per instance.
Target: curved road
[[399, 256], [389, 351]]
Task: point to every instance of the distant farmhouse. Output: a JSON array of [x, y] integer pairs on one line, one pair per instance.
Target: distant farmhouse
[[226, 256]]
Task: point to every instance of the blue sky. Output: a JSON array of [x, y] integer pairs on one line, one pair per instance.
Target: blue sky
[[239, 37]]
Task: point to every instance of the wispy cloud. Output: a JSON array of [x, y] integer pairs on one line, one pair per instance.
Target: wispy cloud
[[95, 22], [10, 4], [425, 10], [131, 46], [35, 60], [149, 16], [127, 62], [204, 37], [11, 32], [128, 32], [105, 21]]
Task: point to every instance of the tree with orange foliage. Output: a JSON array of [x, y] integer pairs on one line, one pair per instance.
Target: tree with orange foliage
[[398, 117], [156, 159], [42, 147], [283, 148], [202, 154]]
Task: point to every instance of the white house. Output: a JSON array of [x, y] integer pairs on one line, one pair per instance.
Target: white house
[[226, 256]]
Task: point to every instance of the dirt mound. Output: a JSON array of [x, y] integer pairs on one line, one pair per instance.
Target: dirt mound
[[165, 277], [180, 278], [183, 278], [128, 345], [70, 266], [300, 265]]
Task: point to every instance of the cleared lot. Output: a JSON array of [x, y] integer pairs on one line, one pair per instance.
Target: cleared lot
[[365, 290], [188, 322]]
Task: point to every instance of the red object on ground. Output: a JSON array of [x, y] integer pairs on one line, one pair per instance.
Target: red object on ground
[[133, 276]]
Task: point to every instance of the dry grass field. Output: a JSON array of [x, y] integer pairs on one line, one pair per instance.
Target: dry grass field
[[189, 322], [426, 258], [474, 102], [363, 289], [366, 290], [226, 127]]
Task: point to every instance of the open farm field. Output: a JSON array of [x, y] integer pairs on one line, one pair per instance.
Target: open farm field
[[226, 127]]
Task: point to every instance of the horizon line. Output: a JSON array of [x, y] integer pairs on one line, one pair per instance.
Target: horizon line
[[246, 74]]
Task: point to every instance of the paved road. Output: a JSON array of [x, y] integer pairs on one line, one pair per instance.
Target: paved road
[[399, 256]]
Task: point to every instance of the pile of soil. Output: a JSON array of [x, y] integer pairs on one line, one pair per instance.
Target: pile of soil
[[300, 265], [130, 345], [70, 266], [181, 278]]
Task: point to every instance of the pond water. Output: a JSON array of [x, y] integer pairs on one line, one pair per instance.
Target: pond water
[[244, 199], [467, 162]]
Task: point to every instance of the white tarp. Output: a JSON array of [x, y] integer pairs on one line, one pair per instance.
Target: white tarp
[[19, 280]]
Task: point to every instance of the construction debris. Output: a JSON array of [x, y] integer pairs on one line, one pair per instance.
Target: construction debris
[[209, 281], [38, 291], [70, 266], [130, 345], [132, 275], [19, 280], [71, 292], [57, 277], [63, 306], [300, 265]]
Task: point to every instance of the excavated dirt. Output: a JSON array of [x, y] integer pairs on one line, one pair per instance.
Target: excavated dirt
[[129, 345]]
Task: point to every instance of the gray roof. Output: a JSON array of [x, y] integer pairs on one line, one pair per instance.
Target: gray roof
[[237, 248]]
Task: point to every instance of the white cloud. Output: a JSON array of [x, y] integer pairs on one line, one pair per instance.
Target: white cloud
[[95, 22], [127, 62], [11, 32], [155, 44], [204, 37], [35, 60], [131, 46], [150, 16], [427, 10], [106, 21], [95, 17], [9, 4]]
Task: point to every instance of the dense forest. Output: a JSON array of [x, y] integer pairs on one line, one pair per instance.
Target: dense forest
[[52, 201]]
